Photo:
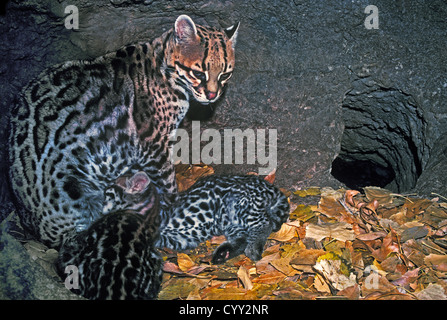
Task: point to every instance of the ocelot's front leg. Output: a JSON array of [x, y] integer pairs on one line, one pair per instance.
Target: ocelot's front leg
[[250, 242], [235, 245], [258, 235]]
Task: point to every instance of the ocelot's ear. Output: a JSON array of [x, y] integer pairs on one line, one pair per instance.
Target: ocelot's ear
[[185, 30], [135, 184], [231, 33]]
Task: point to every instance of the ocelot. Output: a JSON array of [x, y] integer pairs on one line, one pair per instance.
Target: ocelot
[[246, 209], [82, 124], [115, 258]]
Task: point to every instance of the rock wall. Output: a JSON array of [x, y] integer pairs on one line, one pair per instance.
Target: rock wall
[[373, 99]]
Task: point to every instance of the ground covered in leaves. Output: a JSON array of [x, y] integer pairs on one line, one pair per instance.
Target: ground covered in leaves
[[337, 244]]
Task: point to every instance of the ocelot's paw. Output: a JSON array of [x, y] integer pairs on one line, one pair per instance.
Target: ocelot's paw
[[254, 252], [222, 253]]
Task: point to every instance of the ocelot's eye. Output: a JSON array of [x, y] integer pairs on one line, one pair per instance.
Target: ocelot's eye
[[199, 75], [225, 76]]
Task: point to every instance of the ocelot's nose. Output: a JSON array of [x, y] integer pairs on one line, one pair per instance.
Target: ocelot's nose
[[210, 95]]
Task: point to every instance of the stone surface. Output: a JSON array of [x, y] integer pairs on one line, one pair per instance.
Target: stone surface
[[299, 66], [20, 276]]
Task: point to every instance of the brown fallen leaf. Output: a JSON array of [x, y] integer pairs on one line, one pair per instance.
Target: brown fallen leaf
[[329, 203], [340, 230], [436, 261], [432, 292], [272, 277], [383, 196], [184, 262], [305, 259], [186, 175], [389, 245], [406, 279], [194, 295], [283, 265], [320, 284], [376, 285], [171, 268], [264, 266], [271, 176], [352, 293], [176, 288], [349, 197], [244, 277], [307, 256], [286, 233], [371, 235], [228, 293]]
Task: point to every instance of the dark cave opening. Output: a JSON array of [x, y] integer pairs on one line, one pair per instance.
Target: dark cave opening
[[383, 142], [356, 174]]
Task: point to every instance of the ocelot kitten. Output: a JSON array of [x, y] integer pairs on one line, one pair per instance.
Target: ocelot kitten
[[246, 209], [82, 124], [116, 257]]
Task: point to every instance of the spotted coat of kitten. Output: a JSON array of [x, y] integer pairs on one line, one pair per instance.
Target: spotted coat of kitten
[[116, 257], [246, 209]]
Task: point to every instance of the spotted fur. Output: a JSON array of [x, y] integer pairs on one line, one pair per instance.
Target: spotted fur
[[82, 124], [246, 209], [116, 257]]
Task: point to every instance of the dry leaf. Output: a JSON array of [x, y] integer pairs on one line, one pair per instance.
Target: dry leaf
[[171, 268], [330, 204], [184, 262], [307, 256], [283, 265], [321, 285], [432, 292], [352, 293], [340, 230], [332, 271], [284, 234], [305, 259], [228, 293], [313, 191], [176, 288], [438, 262], [270, 278], [271, 176], [389, 244], [186, 175], [371, 235], [383, 196], [349, 197], [264, 266], [302, 213], [244, 277], [407, 278], [194, 295]]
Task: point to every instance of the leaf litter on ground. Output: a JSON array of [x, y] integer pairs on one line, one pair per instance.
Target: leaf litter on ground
[[342, 244]]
